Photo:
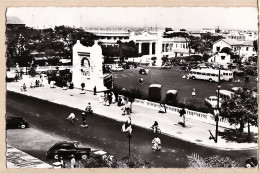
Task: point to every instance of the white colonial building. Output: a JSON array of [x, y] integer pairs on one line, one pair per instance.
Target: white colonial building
[[242, 48], [150, 43], [220, 58]]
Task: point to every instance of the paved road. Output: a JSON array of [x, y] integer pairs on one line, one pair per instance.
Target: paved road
[[172, 79], [104, 133]]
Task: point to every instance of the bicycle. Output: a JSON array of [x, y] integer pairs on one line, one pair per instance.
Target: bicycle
[[155, 130]]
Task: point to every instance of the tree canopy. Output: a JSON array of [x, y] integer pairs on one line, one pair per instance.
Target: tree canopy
[[22, 41], [241, 109]]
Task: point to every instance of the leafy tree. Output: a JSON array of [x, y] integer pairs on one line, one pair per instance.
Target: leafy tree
[[109, 162], [241, 109], [216, 161]]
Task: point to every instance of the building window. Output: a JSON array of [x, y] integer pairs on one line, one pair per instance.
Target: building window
[[218, 49], [246, 48], [253, 49], [223, 57]]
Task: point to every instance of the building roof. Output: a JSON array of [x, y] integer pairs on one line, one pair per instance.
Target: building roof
[[14, 20], [234, 42], [181, 50]]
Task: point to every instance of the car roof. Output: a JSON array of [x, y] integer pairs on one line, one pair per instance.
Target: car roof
[[155, 85]]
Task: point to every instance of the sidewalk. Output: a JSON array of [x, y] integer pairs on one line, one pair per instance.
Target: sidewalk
[[195, 131], [18, 159]]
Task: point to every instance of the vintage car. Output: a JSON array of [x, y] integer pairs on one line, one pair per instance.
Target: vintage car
[[117, 68], [66, 150], [212, 101], [16, 122], [143, 71]]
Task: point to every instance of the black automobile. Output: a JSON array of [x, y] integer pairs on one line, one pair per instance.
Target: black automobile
[[66, 150], [16, 122], [251, 162], [142, 71]]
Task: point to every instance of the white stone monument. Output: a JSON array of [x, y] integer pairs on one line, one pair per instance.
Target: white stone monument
[[87, 67]]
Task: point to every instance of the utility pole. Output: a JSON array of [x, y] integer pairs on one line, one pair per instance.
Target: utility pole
[[216, 113]]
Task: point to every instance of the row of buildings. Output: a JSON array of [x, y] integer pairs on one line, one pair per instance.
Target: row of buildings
[[152, 42]]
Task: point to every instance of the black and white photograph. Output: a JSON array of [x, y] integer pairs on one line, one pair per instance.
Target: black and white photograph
[[131, 87]]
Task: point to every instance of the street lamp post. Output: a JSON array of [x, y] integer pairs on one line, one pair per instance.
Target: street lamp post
[[216, 113], [129, 136]]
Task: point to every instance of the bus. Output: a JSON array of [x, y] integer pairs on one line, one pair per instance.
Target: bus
[[205, 74], [225, 94], [227, 75]]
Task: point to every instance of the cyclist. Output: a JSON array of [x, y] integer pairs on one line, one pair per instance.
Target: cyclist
[[72, 118], [89, 108], [155, 127]]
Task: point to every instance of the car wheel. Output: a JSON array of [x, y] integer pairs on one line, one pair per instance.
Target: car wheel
[[248, 165], [210, 80], [23, 126], [84, 156], [56, 156], [193, 78]]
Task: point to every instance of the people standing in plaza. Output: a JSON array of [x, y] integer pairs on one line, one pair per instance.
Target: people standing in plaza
[[141, 81], [119, 102], [95, 90], [162, 108], [193, 94], [73, 162], [182, 114]]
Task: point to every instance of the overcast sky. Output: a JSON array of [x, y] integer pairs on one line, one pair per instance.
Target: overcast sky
[[178, 17]]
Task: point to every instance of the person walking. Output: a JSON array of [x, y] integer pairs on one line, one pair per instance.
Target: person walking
[[193, 94], [182, 114], [73, 162], [95, 90], [84, 115]]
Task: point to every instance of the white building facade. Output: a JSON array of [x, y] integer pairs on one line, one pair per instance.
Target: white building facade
[[150, 43], [244, 49]]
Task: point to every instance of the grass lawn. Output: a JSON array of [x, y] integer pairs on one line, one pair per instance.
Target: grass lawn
[[172, 79]]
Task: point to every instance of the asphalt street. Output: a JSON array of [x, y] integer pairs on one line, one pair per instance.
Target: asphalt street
[[104, 133], [172, 79]]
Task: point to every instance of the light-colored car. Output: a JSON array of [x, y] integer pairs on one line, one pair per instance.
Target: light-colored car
[[117, 68], [212, 101]]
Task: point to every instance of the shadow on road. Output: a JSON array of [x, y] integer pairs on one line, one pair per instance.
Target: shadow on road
[[231, 135]]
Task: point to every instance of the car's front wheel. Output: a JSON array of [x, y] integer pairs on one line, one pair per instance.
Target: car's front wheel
[[248, 165], [56, 156], [23, 126], [84, 156]]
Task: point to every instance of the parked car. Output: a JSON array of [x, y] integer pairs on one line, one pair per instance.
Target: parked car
[[251, 162], [166, 66], [212, 101], [142, 71], [66, 150], [16, 122], [117, 68]]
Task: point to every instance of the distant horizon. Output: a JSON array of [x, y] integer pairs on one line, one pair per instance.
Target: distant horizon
[[195, 18]]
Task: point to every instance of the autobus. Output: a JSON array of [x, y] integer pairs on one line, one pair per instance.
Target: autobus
[[205, 74], [227, 75], [225, 94]]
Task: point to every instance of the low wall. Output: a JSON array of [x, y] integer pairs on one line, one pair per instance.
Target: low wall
[[200, 116]]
